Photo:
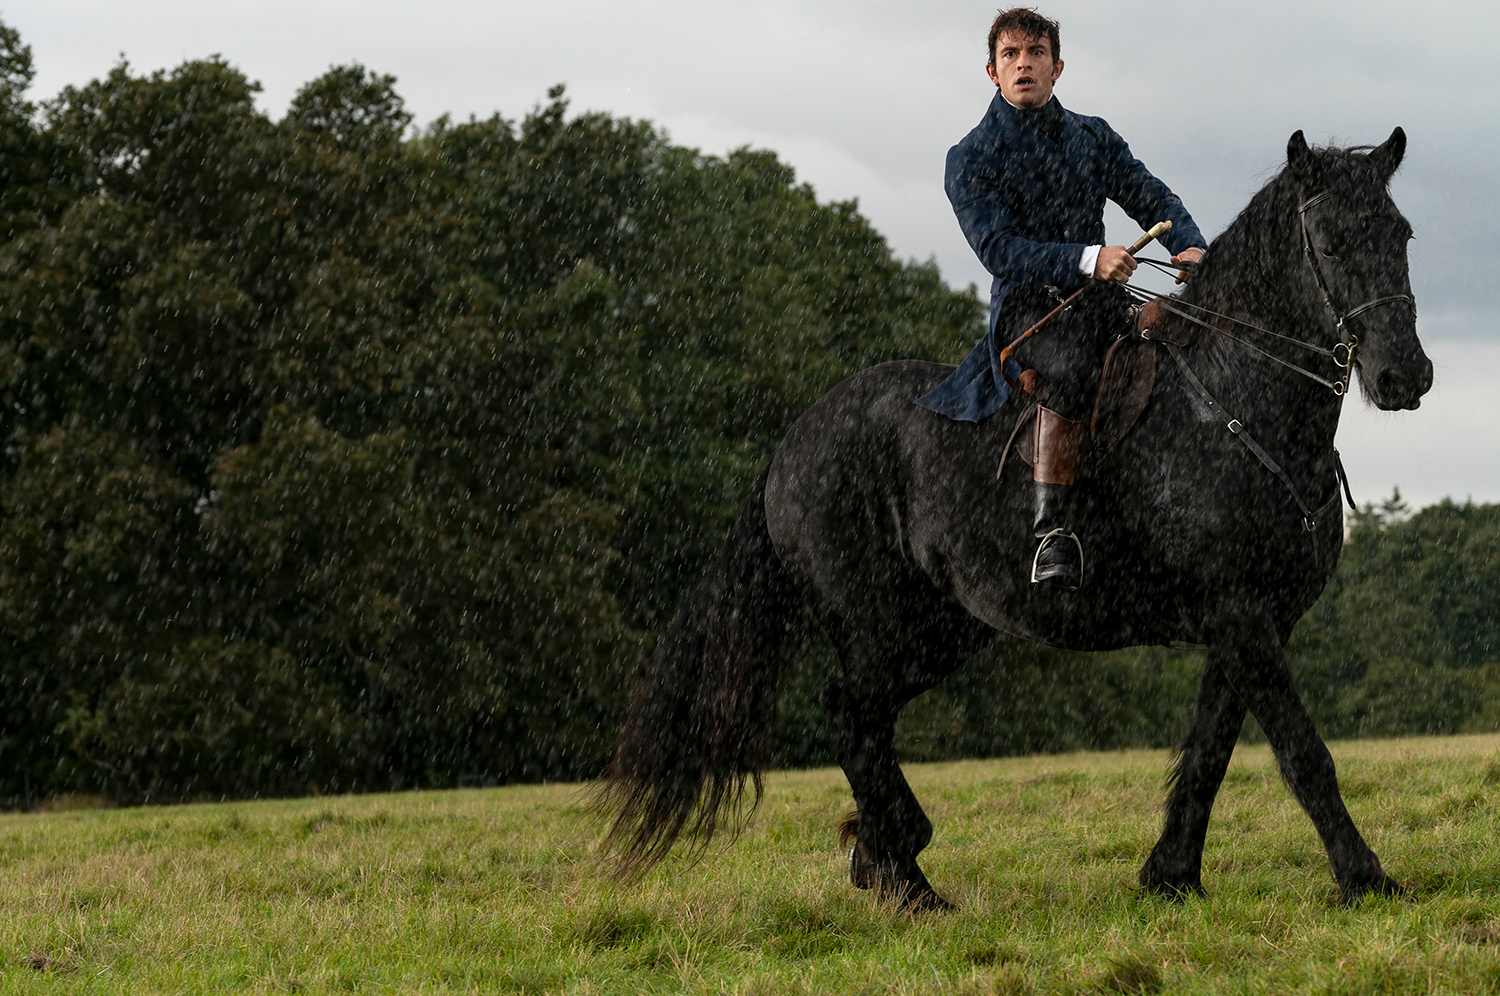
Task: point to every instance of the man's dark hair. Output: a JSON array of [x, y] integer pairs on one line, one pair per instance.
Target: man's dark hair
[[1027, 23]]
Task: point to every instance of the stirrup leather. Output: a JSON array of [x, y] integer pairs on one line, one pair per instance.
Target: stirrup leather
[[1068, 534]]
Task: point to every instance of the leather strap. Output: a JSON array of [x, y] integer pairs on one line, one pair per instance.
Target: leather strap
[[1388, 299], [1338, 465], [1270, 356], [1235, 426], [1026, 413], [1347, 337]]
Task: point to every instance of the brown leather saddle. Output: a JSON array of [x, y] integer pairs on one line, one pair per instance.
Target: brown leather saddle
[[1124, 388]]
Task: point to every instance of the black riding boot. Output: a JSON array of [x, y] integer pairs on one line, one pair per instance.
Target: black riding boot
[[1059, 455]]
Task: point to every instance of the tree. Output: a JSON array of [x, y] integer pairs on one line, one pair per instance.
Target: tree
[[343, 458]]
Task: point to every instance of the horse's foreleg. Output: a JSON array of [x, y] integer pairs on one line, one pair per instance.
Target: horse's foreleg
[[1254, 664], [1175, 867]]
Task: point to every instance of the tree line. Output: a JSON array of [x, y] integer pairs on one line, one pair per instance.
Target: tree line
[[339, 455]]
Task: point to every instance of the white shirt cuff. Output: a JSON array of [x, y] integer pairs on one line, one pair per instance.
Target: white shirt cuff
[[1089, 260]]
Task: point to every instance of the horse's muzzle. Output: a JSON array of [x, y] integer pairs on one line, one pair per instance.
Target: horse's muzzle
[[1398, 388]]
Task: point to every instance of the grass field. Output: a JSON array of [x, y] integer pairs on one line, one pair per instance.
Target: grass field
[[498, 890]]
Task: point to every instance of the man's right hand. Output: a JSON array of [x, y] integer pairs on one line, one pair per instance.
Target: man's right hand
[[1114, 263]]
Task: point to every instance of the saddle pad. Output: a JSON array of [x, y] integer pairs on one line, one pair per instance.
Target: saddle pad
[[1124, 390]]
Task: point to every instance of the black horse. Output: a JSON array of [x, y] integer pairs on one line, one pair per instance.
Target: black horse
[[888, 521]]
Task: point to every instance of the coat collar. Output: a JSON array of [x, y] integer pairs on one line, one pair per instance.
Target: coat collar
[[1005, 124]]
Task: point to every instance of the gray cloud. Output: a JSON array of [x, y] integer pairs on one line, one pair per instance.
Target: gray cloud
[[865, 99]]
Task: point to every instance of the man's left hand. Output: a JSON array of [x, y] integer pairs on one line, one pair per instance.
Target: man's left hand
[[1194, 256]]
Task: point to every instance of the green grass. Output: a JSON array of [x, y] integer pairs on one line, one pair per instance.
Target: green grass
[[499, 890]]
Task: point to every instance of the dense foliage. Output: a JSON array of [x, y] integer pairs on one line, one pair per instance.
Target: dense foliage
[[341, 457], [1406, 638], [336, 458]]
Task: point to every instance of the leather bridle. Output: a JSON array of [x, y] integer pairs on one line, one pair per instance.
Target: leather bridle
[[1341, 353], [1348, 338]]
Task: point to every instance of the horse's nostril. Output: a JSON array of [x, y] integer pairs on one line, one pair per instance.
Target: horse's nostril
[[1390, 384]]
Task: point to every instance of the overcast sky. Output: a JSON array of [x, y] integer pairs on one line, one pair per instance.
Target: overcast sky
[[864, 99]]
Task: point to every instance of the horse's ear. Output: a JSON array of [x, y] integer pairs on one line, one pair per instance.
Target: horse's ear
[[1387, 158], [1300, 159]]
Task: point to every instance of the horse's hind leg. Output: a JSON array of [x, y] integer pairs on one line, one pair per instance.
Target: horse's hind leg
[[880, 676], [889, 828], [1175, 867]]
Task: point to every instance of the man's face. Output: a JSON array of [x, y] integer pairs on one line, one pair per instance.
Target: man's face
[[1024, 69]]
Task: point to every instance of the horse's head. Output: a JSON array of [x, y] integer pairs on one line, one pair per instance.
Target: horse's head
[[1357, 241]]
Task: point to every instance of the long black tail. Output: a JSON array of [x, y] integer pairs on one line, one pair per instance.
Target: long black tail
[[701, 724]]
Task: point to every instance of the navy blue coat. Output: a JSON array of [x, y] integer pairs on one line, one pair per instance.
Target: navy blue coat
[[1029, 206]]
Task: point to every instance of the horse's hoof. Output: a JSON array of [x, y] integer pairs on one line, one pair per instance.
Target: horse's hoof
[[1383, 886], [1176, 892], [910, 889], [1173, 887], [926, 901]]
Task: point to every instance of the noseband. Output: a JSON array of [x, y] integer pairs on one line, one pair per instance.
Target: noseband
[[1348, 338]]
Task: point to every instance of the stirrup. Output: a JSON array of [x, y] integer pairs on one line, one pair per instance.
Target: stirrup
[[1067, 534]]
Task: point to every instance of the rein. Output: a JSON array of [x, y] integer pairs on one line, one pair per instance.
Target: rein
[[1342, 353], [1147, 296]]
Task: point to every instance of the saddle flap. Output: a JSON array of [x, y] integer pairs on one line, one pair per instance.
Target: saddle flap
[[1151, 323], [1124, 391]]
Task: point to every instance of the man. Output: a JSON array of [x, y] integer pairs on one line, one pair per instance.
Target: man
[[1028, 186]]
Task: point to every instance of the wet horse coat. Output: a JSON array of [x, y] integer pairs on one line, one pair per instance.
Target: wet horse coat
[[887, 521]]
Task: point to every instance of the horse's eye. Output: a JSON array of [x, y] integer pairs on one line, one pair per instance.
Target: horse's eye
[[1328, 255]]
